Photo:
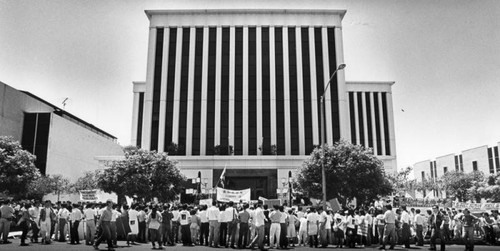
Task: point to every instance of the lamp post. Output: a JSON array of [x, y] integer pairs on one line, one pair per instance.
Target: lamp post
[[322, 100]]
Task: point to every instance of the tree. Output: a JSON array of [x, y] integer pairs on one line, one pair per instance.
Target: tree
[[488, 189], [352, 171], [43, 185], [145, 174], [457, 184], [401, 182], [87, 182], [17, 168]]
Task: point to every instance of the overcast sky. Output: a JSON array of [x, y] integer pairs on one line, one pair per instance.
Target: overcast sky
[[443, 55]]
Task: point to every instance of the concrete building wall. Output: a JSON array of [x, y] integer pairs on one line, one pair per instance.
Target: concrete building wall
[[445, 162], [13, 104], [478, 154], [72, 148], [422, 166]]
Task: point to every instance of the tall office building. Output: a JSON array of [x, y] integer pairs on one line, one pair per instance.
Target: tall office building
[[251, 80]]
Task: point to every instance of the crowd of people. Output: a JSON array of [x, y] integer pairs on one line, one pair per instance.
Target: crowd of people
[[241, 225]]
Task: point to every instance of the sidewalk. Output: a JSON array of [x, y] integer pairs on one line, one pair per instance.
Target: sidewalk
[[122, 247]]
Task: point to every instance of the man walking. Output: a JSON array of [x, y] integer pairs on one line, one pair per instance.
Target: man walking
[[389, 228], [7, 213], [259, 221], [468, 221], [437, 227], [406, 231], [104, 223]]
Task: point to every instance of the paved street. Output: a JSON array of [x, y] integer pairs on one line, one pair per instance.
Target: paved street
[[123, 247]]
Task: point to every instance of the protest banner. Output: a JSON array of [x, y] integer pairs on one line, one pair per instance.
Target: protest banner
[[88, 195], [477, 207], [271, 202], [207, 202], [226, 195]]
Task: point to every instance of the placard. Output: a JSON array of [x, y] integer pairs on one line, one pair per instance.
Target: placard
[[226, 195]]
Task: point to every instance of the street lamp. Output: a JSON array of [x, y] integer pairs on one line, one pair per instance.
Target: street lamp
[[322, 100]]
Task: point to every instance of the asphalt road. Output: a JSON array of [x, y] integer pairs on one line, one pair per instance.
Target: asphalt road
[[122, 247]]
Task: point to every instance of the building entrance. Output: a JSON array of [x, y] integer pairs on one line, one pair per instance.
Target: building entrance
[[262, 182], [258, 185]]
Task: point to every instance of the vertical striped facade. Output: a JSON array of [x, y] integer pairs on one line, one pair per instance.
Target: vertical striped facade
[[369, 114], [244, 86], [252, 79]]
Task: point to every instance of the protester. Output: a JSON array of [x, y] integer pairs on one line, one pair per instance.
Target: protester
[[89, 216], [47, 217], [104, 225], [75, 217], [24, 223], [468, 221], [153, 222]]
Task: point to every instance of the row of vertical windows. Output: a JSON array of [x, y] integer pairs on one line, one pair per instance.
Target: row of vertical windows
[[280, 103], [362, 113], [184, 90], [197, 109], [182, 67], [157, 88], [294, 112], [139, 118], [238, 92], [170, 86]]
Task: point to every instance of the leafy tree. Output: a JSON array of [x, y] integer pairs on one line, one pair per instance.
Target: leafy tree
[[457, 184], [87, 182], [17, 168], [146, 174], [401, 182], [43, 185], [352, 171], [488, 189]]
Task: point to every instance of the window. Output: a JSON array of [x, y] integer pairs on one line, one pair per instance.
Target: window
[[474, 166], [423, 175], [445, 169]]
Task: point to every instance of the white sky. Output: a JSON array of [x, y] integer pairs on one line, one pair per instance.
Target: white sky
[[444, 56]]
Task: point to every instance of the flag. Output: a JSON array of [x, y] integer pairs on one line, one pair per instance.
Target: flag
[[223, 176]]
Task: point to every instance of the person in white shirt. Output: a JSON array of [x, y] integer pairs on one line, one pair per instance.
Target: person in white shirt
[[74, 220], [406, 231], [184, 220], [89, 215], [34, 212], [205, 226], [213, 215], [419, 222], [115, 214], [312, 227], [303, 230], [133, 222], [63, 215], [259, 220], [232, 227], [339, 229]]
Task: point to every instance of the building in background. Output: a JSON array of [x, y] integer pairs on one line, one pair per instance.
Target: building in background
[[63, 143], [483, 158], [251, 79]]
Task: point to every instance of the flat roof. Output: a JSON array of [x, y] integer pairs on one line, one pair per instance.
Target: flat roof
[[149, 13], [61, 112]]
